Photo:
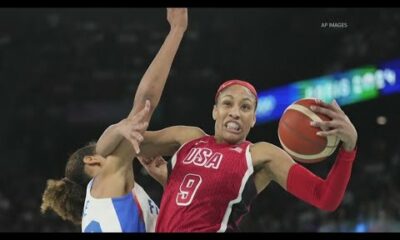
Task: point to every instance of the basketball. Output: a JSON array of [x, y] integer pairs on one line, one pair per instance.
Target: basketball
[[299, 139]]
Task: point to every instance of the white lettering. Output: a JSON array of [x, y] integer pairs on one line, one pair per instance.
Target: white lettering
[[203, 157]]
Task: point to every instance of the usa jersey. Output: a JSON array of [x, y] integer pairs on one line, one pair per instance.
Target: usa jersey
[[133, 212], [209, 189]]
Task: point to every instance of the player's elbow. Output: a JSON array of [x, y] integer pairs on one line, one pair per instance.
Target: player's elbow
[[329, 206]]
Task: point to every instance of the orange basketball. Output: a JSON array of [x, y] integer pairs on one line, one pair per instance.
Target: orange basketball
[[299, 138]]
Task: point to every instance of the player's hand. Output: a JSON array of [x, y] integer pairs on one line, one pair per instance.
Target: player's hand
[[339, 125], [177, 18], [156, 167], [132, 128]]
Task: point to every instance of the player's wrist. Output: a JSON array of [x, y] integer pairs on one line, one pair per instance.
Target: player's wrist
[[349, 147], [347, 155]]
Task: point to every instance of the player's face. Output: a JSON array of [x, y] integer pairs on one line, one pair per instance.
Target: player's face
[[234, 114]]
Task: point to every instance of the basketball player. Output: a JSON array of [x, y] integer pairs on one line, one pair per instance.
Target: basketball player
[[212, 179], [98, 190]]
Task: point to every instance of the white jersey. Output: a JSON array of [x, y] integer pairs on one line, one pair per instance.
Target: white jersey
[[133, 212]]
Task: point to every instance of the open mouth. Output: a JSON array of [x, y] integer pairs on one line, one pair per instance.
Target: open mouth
[[232, 126]]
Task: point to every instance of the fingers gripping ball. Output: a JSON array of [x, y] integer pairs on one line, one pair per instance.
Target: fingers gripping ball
[[299, 138]]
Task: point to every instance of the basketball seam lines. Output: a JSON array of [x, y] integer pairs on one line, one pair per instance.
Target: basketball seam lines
[[325, 152]]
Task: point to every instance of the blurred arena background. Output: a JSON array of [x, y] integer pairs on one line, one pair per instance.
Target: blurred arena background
[[66, 74]]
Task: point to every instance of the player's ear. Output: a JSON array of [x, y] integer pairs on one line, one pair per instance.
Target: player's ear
[[214, 112], [254, 120], [90, 159]]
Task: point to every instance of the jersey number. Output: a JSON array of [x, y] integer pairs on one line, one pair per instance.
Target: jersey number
[[188, 188]]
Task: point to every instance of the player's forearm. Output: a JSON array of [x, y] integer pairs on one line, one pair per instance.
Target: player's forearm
[[324, 194], [153, 81], [150, 88], [109, 140]]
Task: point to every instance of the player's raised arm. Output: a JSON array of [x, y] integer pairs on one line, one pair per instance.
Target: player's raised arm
[[154, 79]]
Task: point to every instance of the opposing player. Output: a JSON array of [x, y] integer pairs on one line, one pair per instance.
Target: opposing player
[[98, 190]]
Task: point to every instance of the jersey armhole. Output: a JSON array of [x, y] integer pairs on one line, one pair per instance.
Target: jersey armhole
[[169, 169]]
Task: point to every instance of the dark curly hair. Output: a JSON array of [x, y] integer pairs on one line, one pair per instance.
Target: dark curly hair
[[66, 196]]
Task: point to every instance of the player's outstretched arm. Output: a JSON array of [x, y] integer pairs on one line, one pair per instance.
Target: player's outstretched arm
[[153, 81], [273, 164]]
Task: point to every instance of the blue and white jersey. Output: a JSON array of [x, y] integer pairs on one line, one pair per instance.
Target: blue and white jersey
[[133, 212]]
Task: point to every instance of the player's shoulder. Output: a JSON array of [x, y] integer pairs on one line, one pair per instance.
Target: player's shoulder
[[260, 145], [189, 133], [260, 151], [195, 132]]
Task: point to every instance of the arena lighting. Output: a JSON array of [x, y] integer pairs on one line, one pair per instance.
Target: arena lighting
[[356, 85], [381, 120]]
